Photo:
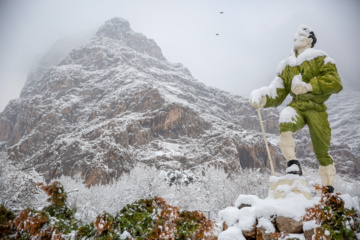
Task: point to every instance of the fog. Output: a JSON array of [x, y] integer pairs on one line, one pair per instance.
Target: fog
[[253, 36]]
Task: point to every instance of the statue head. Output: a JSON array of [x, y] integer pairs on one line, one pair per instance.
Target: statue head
[[304, 38]]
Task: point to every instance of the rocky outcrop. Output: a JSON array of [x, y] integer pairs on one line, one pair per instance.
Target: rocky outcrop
[[116, 101]]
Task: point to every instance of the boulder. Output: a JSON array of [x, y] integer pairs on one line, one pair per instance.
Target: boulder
[[262, 235], [289, 225], [250, 234]]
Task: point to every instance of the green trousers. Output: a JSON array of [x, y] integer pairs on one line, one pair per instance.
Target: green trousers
[[320, 132]]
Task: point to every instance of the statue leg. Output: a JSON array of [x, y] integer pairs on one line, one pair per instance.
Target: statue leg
[[287, 145], [327, 175], [291, 120], [320, 133]]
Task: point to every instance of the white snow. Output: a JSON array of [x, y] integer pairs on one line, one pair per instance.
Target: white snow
[[266, 224], [288, 115], [297, 81], [286, 189], [295, 236], [351, 202], [270, 91], [125, 235], [229, 215], [304, 30], [308, 55], [292, 168], [310, 225], [246, 199], [246, 223], [329, 60], [283, 207], [232, 233]]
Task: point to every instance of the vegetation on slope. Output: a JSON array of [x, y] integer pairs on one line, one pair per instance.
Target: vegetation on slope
[[144, 219]]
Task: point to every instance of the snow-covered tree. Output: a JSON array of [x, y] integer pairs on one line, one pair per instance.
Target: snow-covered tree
[[17, 187]]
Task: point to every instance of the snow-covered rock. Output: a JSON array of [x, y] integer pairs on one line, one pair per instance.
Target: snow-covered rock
[[270, 215]]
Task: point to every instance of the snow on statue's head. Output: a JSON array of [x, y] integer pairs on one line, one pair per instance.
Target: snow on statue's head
[[304, 37]]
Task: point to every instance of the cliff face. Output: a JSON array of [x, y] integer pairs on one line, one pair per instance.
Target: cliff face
[[116, 101]]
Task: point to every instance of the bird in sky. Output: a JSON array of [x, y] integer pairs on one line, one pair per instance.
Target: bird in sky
[[221, 12]]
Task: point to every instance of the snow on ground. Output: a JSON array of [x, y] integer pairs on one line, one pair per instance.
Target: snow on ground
[[252, 207]]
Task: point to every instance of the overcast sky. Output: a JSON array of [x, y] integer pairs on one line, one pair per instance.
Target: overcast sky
[[254, 36]]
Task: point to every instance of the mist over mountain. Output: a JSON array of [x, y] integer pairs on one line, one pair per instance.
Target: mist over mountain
[[115, 101]]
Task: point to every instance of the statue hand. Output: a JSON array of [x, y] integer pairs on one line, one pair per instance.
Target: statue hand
[[258, 103], [299, 87]]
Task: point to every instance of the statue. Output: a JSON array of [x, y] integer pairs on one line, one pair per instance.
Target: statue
[[310, 77]]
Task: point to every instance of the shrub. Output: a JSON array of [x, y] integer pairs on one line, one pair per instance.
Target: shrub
[[145, 219], [335, 221]]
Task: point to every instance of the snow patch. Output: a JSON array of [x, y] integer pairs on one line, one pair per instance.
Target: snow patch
[[266, 224], [308, 55], [351, 202], [293, 168], [297, 81], [246, 223], [232, 233], [125, 235], [310, 225], [288, 115], [329, 60], [229, 215], [246, 199], [270, 91]]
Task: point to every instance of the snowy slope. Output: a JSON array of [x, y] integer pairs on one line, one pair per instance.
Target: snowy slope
[[344, 117], [116, 101]]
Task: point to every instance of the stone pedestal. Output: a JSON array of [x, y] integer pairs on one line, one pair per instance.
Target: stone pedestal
[[280, 187]]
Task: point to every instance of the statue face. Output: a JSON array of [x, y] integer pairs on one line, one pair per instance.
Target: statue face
[[301, 41]]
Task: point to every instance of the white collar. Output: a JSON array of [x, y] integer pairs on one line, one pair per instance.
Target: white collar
[[307, 55]]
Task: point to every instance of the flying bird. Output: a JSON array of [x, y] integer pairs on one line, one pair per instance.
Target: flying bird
[[217, 34], [221, 12]]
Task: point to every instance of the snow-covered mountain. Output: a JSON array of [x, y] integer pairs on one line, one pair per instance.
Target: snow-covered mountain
[[116, 101]]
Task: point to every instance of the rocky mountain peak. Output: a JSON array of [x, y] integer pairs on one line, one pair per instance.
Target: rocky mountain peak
[[114, 28], [119, 29]]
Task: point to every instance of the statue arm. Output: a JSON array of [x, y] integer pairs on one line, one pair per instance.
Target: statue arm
[[279, 93], [328, 81]]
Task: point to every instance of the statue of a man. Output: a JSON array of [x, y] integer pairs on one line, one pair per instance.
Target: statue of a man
[[310, 77]]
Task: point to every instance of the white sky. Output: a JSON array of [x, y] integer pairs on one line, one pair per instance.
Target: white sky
[[254, 35]]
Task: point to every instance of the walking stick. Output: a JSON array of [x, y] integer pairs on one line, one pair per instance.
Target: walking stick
[[266, 143]]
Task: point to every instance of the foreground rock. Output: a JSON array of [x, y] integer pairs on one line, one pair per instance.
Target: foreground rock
[[289, 217]]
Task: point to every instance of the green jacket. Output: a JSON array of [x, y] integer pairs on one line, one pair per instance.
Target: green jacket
[[316, 68]]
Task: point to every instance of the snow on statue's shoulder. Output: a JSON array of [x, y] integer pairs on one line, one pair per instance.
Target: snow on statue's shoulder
[[308, 55]]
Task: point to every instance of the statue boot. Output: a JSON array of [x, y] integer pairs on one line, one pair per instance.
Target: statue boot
[[327, 176], [287, 147]]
